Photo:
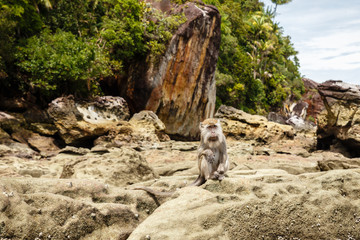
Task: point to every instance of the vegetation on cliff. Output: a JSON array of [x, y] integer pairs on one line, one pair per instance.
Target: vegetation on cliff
[[257, 67], [50, 48]]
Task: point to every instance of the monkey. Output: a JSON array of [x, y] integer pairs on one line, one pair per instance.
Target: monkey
[[212, 157], [213, 164]]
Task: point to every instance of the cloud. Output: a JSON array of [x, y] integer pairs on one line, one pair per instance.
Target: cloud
[[345, 53], [336, 56], [326, 33]]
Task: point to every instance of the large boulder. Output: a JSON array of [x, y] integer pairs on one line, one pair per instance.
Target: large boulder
[[261, 204], [180, 86], [119, 166], [79, 123], [239, 125], [338, 126], [13, 129], [60, 209], [312, 98], [143, 130]]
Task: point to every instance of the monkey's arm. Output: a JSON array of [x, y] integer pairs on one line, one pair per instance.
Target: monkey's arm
[[223, 158]]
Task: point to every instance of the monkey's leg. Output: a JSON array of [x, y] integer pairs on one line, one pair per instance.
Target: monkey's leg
[[204, 172], [214, 176], [205, 168]]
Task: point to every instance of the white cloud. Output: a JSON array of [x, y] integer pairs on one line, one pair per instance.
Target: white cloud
[[327, 35], [339, 50]]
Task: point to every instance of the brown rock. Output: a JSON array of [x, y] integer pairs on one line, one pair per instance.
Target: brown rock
[[54, 209], [81, 122], [240, 125], [4, 137], [267, 204], [340, 90], [180, 88], [339, 123], [118, 167], [10, 123], [42, 144], [313, 98], [144, 129], [13, 104]]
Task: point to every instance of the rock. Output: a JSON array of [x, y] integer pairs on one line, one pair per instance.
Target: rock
[[144, 129], [299, 109], [9, 123], [148, 122], [4, 137], [240, 125], [17, 149], [340, 90], [36, 115], [44, 128], [79, 123], [45, 145], [181, 94], [299, 123], [339, 124], [15, 130], [303, 113], [74, 150], [13, 104], [51, 209], [270, 204], [119, 167], [313, 99], [276, 117], [276, 190]]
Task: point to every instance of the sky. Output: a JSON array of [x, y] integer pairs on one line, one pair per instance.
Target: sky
[[326, 33]]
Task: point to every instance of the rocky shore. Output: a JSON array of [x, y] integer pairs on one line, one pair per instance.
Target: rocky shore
[[70, 172]]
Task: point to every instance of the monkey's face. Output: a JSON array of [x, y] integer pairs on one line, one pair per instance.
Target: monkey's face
[[211, 131]]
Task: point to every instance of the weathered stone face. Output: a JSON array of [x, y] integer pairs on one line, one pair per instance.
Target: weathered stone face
[[240, 125], [180, 87], [338, 126], [77, 122]]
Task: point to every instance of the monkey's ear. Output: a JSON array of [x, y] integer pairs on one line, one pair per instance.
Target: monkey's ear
[[201, 125]]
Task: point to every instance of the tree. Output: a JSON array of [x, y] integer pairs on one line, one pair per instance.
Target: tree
[[279, 2]]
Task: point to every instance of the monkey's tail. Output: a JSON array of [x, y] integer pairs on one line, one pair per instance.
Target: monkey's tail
[[199, 181], [154, 192]]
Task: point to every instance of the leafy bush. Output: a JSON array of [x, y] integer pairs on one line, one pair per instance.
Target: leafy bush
[[60, 63], [122, 28]]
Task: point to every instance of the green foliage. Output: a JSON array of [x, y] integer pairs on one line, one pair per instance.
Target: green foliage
[[18, 19], [59, 63], [60, 47], [83, 42], [257, 66], [159, 28], [311, 119], [81, 17], [122, 28]]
